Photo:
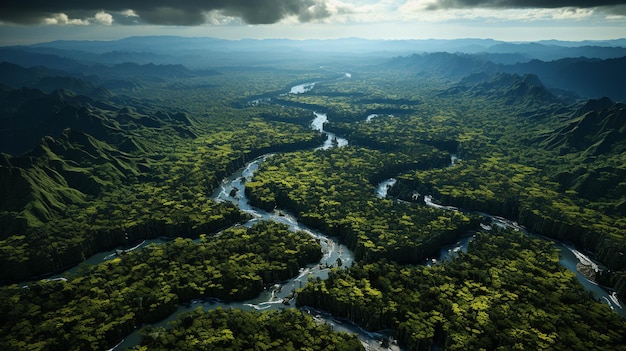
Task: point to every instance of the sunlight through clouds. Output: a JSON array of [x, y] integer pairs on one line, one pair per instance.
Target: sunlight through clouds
[[241, 12], [103, 18], [429, 11], [61, 18], [423, 10], [573, 13], [129, 13], [390, 19]]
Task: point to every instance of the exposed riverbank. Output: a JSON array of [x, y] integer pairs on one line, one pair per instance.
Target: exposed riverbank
[[580, 264]]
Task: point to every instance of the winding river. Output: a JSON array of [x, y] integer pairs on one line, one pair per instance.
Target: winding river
[[232, 189], [569, 256]]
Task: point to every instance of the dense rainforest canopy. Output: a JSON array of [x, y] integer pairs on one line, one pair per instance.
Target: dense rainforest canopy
[[97, 159]]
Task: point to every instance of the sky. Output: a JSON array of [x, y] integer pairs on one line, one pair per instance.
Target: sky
[[32, 21]]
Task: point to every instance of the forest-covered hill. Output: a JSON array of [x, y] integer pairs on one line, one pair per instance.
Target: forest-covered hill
[[106, 144]]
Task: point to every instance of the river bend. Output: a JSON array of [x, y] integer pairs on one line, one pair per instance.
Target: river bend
[[232, 189], [569, 256]]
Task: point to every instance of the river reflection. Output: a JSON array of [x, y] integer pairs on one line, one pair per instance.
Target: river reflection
[[302, 88], [569, 256], [232, 189], [332, 140], [384, 186], [280, 295]]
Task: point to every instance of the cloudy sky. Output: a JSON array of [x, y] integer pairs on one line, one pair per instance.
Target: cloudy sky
[[28, 21]]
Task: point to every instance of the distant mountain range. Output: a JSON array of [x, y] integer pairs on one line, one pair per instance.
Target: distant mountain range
[[587, 78], [175, 46], [510, 89], [589, 69], [47, 80], [51, 144], [193, 51]]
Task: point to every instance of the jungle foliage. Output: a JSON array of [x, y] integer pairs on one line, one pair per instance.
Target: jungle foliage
[[513, 147], [101, 304], [101, 167], [234, 329], [508, 292], [554, 164], [115, 175], [331, 190]]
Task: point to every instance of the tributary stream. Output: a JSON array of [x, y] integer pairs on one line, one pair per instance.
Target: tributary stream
[[232, 189], [569, 256]]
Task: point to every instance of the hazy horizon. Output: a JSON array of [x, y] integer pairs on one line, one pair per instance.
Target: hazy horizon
[[25, 22]]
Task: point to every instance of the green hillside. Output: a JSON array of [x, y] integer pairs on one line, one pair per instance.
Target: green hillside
[[100, 155]]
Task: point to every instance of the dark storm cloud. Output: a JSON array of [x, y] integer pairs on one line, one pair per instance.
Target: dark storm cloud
[[167, 12], [507, 4]]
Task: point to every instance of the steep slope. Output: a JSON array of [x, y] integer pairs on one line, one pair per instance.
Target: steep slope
[[31, 194], [594, 137], [591, 78], [27, 115], [59, 148], [442, 64], [66, 157], [597, 127], [526, 92]]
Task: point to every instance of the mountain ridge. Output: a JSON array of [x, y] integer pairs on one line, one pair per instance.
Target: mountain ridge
[[588, 78]]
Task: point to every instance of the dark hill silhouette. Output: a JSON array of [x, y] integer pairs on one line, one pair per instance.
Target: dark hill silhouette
[[27, 115], [48, 80], [594, 105], [17, 76], [30, 114], [26, 57], [597, 127], [589, 78], [509, 89], [443, 64], [596, 130], [77, 86], [528, 90], [25, 68], [147, 71], [552, 51]]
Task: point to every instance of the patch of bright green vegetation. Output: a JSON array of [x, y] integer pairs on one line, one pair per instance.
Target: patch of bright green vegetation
[[75, 194], [543, 165], [508, 292], [101, 304], [153, 172], [331, 190], [242, 330]]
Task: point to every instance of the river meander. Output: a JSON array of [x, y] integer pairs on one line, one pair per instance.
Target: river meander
[[335, 254], [232, 189], [569, 256]]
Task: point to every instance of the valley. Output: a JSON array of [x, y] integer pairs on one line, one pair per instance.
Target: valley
[[101, 155]]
